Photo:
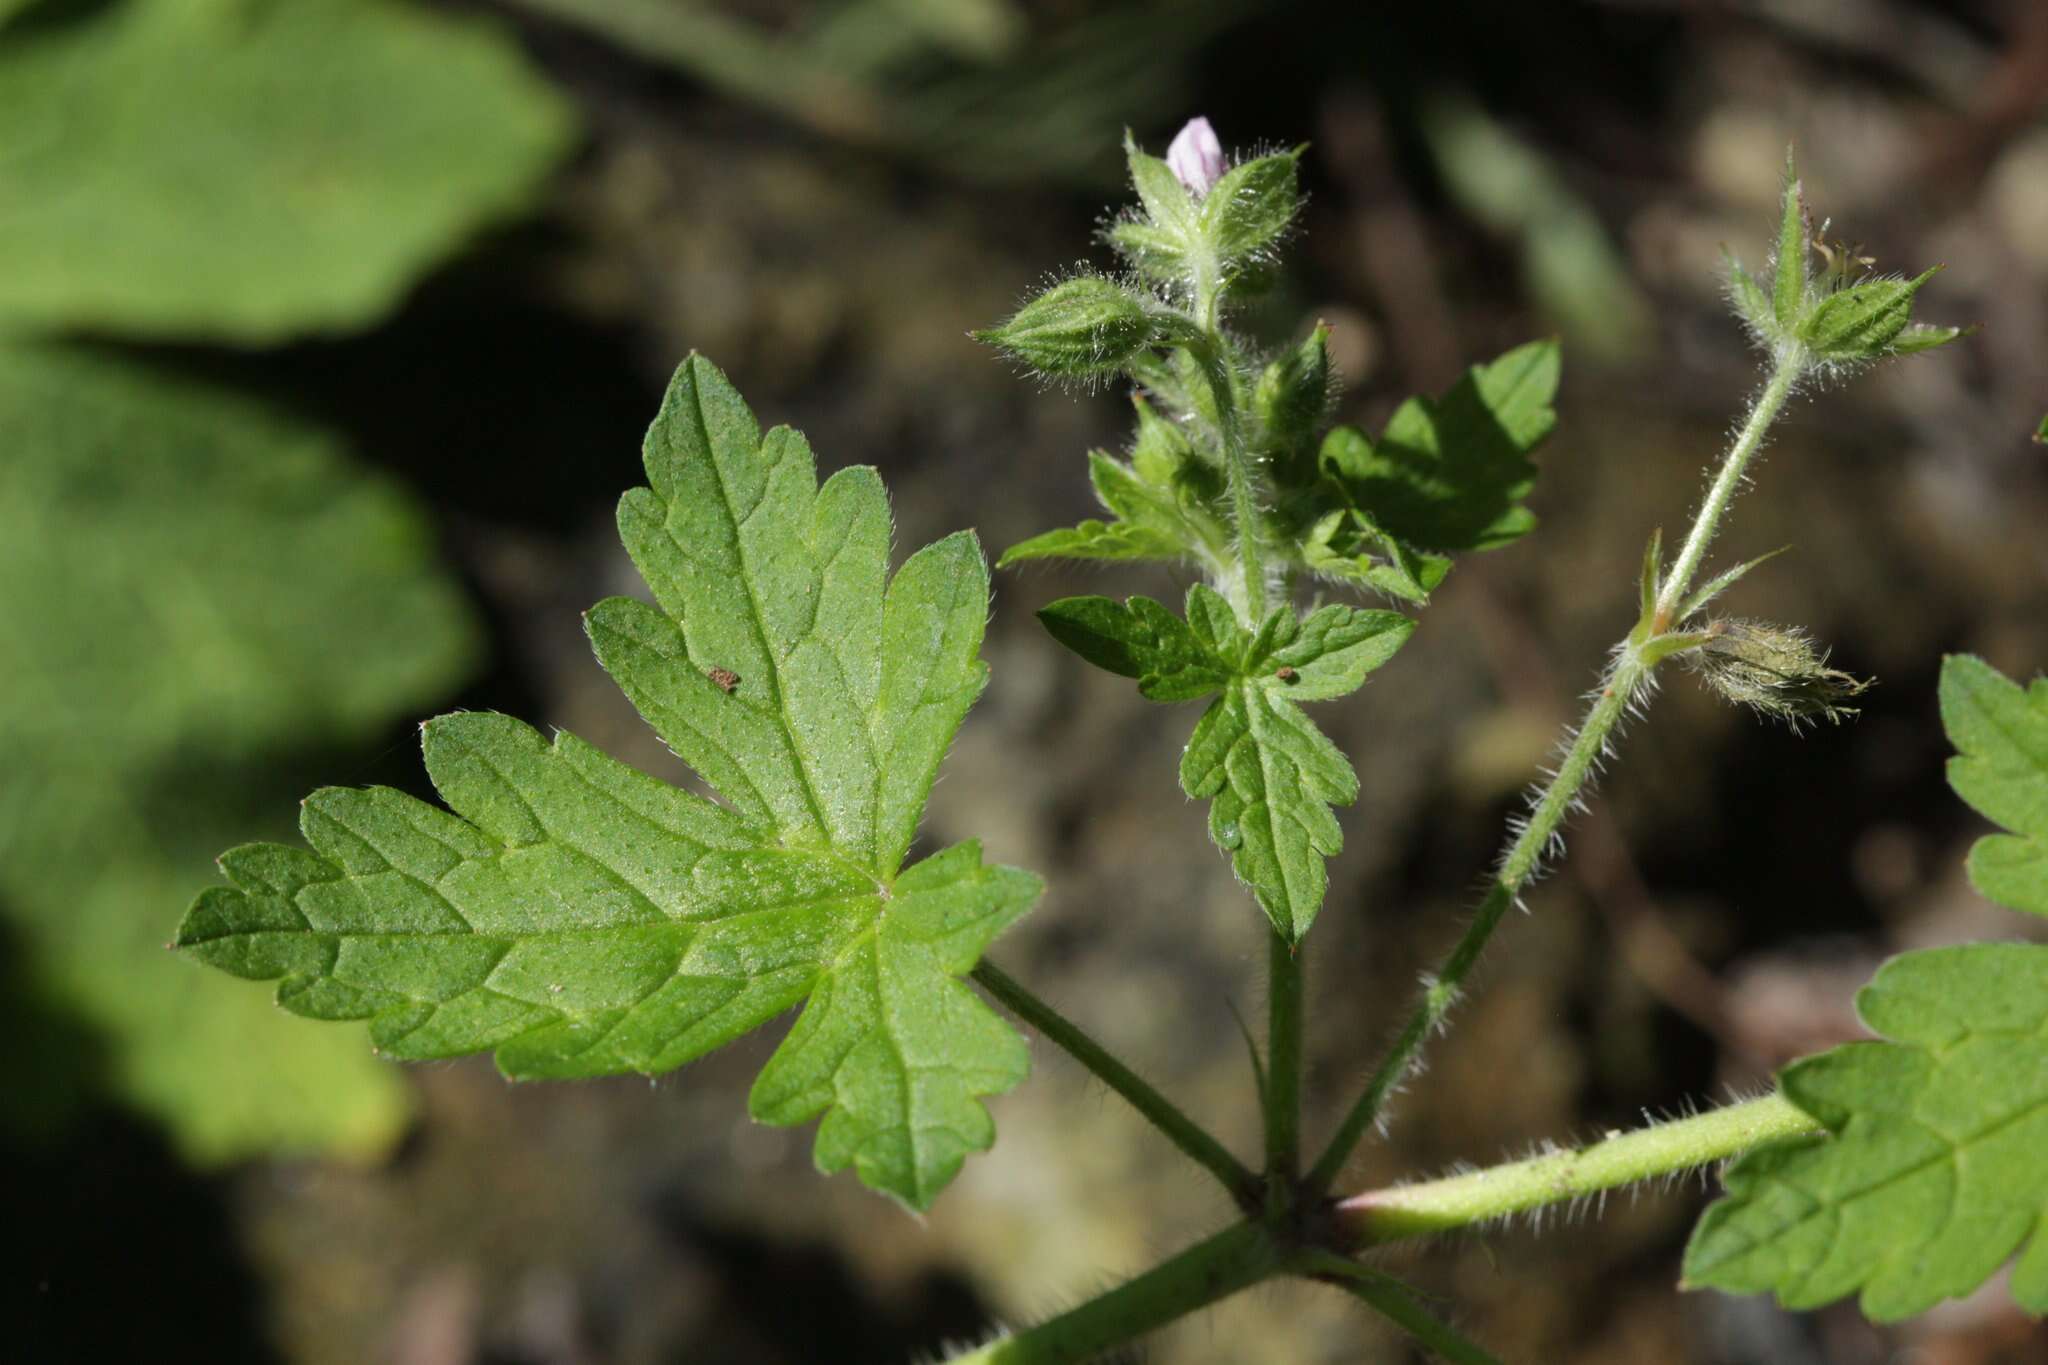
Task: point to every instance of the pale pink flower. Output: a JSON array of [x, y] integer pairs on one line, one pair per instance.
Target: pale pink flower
[[1196, 157]]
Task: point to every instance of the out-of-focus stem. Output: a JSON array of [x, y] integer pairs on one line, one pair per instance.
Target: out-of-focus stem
[[1167, 1117]]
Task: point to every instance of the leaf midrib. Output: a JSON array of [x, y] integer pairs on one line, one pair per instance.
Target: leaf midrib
[[755, 620]]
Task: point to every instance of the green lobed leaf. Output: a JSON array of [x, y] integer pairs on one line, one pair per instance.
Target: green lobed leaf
[[1931, 1175], [1447, 476], [246, 172], [1138, 638], [1271, 776], [583, 919], [1336, 648], [2041, 432], [2000, 731]]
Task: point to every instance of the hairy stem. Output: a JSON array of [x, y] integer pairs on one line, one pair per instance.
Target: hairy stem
[[1162, 1113], [1283, 1070], [1727, 482], [1440, 992], [1396, 1302], [1459, 1201], [1524, 853], [1237, 468], [1234, 1259]]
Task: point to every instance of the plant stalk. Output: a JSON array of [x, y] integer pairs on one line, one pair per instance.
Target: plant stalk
[[1784, 378], [1393, 1300], [1162, 1113], [1460, 1201], [1441, 991], [1234, 1259], [1283, 1071], [1625, 677]]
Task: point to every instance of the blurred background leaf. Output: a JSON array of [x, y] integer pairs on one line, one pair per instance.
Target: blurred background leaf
[[244, 170], [189, 585]]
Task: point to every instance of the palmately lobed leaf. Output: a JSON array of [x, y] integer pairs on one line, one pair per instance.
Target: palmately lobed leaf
[[2000, 731], [1931, 1176], [582, 919]]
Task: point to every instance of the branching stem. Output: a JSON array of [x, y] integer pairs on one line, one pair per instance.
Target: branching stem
[[1588, 744], [1162, 1113]]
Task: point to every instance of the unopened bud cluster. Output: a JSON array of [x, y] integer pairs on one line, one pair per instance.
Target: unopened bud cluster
[[1201, 236], [1839, 318]]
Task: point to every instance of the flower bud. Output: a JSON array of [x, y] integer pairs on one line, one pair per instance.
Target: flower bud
[[1861, 321], [1084, 328], [1776, 671], [1196, 157], [1290, 401]]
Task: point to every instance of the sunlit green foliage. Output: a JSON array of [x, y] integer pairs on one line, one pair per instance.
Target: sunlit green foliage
[[583, 919]]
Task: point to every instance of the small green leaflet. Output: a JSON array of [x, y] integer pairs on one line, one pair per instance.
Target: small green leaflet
[[1269, 774], [583, 919], [2001, 768], [1164, 501], [1931, 1175], [1449, 474]]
